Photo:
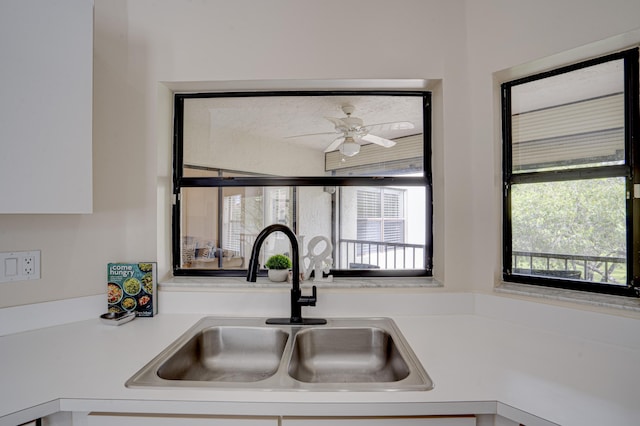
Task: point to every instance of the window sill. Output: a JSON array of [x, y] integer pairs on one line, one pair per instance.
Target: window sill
[[203, 283], [563, 295]]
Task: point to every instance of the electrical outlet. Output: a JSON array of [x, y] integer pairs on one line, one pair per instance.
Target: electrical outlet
[[28, 264], [20, 266]]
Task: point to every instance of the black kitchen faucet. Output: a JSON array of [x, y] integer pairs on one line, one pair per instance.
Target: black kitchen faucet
[[297, 299]]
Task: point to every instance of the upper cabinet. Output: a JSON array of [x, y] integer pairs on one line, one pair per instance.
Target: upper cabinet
[[46, 79]]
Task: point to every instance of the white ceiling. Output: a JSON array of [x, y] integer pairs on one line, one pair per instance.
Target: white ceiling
[[276, 118]]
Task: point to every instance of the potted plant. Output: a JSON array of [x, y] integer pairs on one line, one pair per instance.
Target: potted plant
[[278, 267]]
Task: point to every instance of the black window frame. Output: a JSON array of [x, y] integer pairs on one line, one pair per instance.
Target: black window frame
[[179, 181], [630, 170]]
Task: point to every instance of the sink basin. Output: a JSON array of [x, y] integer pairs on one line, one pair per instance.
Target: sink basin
[[346, 355], [350, 354], [227, 354]]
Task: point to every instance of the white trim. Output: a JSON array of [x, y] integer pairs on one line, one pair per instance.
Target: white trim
[[274, 85], [604, 47]]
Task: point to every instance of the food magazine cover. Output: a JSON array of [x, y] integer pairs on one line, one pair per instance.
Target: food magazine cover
[[132, 287]]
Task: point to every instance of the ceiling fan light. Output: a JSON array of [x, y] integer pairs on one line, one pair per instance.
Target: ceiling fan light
[[349, 148]]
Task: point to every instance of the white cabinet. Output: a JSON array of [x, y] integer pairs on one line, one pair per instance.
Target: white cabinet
[[128, 419], [46, 83], [110, 419], [381, 421]]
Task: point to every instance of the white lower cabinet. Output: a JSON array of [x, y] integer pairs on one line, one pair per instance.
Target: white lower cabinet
[[380, 421], [128, 419]]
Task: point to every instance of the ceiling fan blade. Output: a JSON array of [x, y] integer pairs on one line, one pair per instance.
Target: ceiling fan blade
[[335, 144], [340, 126], [309, 134], [378, 140], [392, 125]]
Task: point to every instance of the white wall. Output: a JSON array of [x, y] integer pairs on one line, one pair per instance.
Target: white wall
[[141, 44], [529, 36], [314, 214]]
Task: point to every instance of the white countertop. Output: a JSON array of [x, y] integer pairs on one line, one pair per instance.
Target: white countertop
[[479, 365]]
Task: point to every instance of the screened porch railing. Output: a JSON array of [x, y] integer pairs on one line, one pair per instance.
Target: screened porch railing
[[365, 254], [604, 269]]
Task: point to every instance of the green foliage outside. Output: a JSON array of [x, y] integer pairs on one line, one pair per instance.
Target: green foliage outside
[[581, 218], [278, 261]]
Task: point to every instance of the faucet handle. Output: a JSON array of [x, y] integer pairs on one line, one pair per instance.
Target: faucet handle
[[309, 300]]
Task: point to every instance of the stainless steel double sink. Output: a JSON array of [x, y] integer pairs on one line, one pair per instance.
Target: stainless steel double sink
[[359, 354]]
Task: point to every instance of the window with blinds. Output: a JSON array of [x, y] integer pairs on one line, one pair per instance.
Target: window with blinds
[[574, 119], [381, 215], [232, 222], [569, 172]]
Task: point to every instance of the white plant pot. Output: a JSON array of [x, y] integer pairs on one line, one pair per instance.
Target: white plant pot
[[278, 275]]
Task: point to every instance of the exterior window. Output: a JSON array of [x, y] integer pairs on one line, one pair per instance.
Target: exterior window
[[569, 170], [381, 215], [382, 228], [353, 167]]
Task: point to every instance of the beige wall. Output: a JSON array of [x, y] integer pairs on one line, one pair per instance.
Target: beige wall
[[142, 44]]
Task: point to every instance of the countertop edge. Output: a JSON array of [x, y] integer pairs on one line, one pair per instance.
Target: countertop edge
[[222, 408]]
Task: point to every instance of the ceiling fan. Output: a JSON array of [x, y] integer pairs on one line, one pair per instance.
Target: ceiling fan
[[352, 130]]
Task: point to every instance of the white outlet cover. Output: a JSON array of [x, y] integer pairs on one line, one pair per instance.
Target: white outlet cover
[[19, 266]]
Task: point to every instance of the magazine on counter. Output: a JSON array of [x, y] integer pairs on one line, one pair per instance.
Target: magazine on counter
[[132, 287]]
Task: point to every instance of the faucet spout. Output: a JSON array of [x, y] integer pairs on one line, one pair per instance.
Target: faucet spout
[[297, 299], [252, 273]]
